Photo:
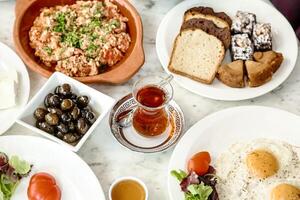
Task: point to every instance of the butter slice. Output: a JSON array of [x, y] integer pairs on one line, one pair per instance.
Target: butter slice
[[8, 81]]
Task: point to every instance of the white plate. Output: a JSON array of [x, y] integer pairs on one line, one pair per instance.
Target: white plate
[[74, 177], [9, 60], [284, 41], [216, 132]]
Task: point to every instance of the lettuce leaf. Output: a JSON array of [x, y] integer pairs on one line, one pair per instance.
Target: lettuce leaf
[[179, 174], [21, 166], [198, 192]]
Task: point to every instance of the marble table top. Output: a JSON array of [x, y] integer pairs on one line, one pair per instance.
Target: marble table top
[[105, 156]]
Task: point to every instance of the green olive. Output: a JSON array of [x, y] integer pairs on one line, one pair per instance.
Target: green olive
[[66, 104], [40, 114]]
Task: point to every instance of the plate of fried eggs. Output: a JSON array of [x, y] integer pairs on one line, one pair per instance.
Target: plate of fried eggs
[[255, 151]]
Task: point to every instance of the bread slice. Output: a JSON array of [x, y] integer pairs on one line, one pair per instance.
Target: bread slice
[[220, 19], [197, 55], [232, 74], [258, 73], [270, 57], [209, 27]]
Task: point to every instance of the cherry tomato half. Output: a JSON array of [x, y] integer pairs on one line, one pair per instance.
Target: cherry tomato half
[[199, 163]]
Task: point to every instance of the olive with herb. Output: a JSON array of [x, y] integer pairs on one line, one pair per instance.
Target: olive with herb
[[81, 126], [70, 138], [82, 101], [75, 113], [64, 90], [55, 110], [66, 104], [47, 100], [40, 114], [54, 101], [46, 127], [90, 117], [62, 128], [66, 117], [52, 119]]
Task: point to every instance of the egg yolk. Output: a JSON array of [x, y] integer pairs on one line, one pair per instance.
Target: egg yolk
[[285, 192], [262, 164]]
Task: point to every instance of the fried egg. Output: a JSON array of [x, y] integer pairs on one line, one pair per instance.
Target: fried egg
[[259, 169]]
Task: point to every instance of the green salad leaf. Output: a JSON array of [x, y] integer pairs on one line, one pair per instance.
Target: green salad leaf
[[7, 187], [21, 166], [179, 174], [198, 192]]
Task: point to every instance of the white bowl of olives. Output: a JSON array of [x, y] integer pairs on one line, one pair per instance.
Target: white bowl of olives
[[66, 111]]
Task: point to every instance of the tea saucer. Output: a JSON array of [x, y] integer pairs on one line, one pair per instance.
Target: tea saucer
[[130, 139]]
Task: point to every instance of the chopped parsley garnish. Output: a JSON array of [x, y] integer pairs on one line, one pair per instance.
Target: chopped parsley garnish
[[72, 39], [95, 23], [48, 50], [61, 22], [91, 49], [115, 23]]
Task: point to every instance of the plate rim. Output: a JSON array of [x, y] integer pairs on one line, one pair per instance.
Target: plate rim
[[26, 79], [211, 117], [51, 143], [216, 96]]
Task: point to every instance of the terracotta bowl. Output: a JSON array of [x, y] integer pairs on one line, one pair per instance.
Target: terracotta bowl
[[28, 10]]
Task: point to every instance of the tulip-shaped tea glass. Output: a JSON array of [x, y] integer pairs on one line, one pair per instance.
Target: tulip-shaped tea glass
[[152, 94]]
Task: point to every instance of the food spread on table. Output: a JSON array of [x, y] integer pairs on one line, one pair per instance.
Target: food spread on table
[[82, 39], [90, 37], [12, 171], [205, 36], [8, 88], [66, 115]]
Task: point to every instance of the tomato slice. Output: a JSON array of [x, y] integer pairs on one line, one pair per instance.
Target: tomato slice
[[199, 163]]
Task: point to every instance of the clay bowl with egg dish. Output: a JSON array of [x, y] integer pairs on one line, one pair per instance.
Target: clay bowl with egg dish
[[45, 60]]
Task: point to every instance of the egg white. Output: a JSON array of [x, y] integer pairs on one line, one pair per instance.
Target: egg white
[[237, 183]]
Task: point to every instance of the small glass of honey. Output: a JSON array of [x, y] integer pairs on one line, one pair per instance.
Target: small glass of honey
[[152, 94]]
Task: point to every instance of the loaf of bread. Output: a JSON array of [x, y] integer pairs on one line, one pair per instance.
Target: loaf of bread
[[232, 74], [196, 54]]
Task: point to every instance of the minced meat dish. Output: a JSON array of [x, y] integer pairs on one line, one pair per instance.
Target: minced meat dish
[[82, 39]]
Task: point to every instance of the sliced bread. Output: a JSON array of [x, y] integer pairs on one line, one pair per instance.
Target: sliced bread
[[258, 73], [270, 57], [220, 19], [209, 27], [232, 74], [196, 54]]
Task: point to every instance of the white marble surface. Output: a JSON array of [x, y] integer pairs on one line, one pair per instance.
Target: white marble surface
[[106, 157]]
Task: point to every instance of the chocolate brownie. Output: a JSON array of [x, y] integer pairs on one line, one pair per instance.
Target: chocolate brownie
[[241, 47], [243, 22], [209, 27], [262, 36]]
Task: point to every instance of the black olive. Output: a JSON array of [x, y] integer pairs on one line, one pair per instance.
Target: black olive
[[60, 135], [55, 110], [75, 113], [40, 113], [90, 117], [70, 138], [85, 110], [47, 128], [62, 128], [71, 126], [82, 101], [54, 101], [38, 124], [52, 119], [56, 90], [47, 100], [81, 126], [66, 104], [66, 117], [73, 97]]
